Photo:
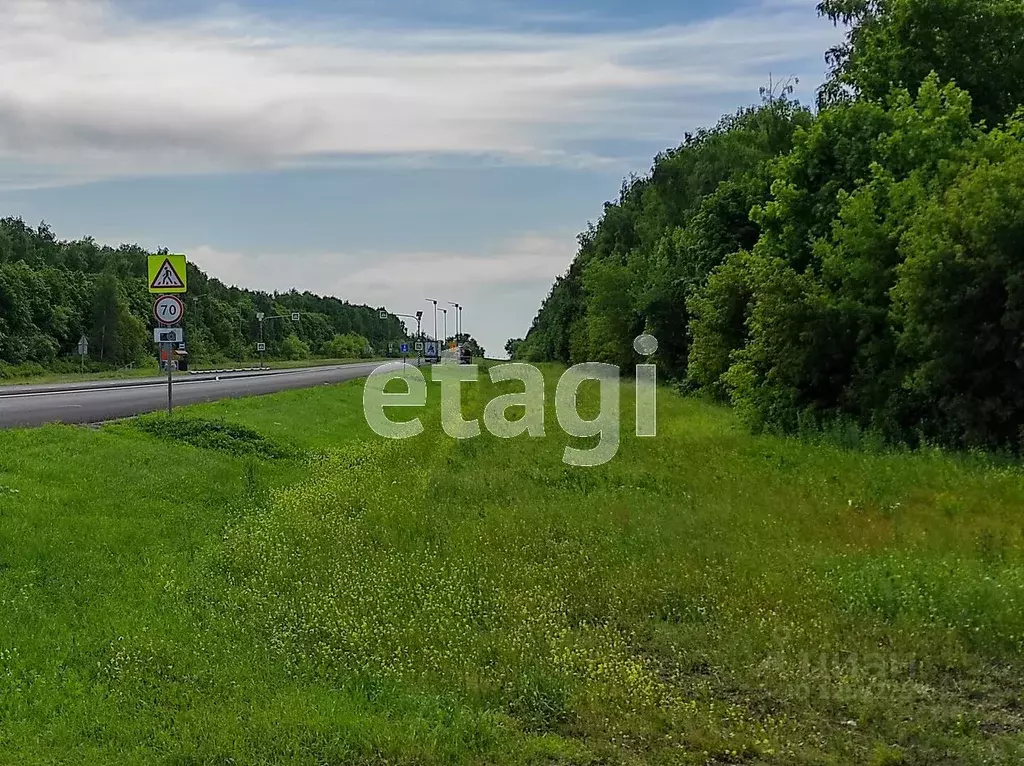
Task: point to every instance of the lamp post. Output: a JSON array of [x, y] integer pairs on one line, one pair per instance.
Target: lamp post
[[418, 316], [445, 311], [261, 318], [458, 320], [431, 300]]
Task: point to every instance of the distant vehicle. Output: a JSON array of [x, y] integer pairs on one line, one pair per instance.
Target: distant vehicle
[[465, 355]]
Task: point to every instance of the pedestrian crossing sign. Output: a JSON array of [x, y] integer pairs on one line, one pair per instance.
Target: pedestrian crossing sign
[[167, 274]]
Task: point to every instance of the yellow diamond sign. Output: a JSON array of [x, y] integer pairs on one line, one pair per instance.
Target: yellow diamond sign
[[167, 274]]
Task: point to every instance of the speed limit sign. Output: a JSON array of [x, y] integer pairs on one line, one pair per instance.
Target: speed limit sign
[[168, 309]]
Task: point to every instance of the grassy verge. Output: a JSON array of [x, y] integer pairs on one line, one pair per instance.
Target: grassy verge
[[287, 364], [71, 377], [267, 582], [153, 370]]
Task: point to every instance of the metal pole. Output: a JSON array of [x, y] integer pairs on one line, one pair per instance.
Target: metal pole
[[435, 318], [456, 305], [170, 379], [261, 344]]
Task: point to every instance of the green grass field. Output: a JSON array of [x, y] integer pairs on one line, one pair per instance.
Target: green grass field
[[307, 593]]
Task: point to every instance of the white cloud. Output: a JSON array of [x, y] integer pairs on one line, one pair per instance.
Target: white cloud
[[500, 289], [88, 91]]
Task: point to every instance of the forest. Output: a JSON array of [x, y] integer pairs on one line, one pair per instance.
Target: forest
[[54, 292], [858, 263]]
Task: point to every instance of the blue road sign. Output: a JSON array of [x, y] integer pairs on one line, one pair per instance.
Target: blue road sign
[[404, 348]]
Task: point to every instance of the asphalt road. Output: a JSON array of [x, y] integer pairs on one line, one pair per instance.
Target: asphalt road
[[108, 400]]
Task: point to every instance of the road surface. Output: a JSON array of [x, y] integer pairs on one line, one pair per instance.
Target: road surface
[[97, 401]]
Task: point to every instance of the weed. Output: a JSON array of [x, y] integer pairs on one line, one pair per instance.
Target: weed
[[213, 434]]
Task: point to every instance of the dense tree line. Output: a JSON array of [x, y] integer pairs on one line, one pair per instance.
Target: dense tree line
[[54, 292], [861, 262]]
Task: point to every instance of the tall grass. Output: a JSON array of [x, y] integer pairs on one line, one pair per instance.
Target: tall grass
[[706, 597]]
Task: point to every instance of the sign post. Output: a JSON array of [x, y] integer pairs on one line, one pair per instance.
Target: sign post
[[168, 277], [261, 346], [83, 349], [419, 339], [170, 380]]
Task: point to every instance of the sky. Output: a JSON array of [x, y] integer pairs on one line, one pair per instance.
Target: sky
[[381, 152]]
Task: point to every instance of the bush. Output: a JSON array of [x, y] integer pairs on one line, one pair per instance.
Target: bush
[[294, 348], [348, 346]]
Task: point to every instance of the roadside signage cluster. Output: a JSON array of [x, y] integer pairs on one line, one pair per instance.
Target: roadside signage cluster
[[167, 278]]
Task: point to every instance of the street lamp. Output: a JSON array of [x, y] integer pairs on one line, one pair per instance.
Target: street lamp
[[458, 320], [418, 316], [435, 317], [261, 318], [445, 325]]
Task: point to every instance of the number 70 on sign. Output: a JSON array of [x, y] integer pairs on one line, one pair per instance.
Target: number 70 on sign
[[168, 309]]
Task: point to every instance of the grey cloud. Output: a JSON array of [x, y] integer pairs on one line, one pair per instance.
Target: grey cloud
[[500, 289], [90, 91]]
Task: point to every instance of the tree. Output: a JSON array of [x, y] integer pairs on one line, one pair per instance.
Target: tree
[[976, 44], [464, 340], [107, 305], [959, 301]]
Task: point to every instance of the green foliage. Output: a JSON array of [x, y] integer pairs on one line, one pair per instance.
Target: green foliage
[[851, 267], [512, 346], [959, 302], [220, 435], [977, 44], [294, 348], [659, 241], [819, 338], [348, 346], [53, 292], [463, 339], [719, 321]]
